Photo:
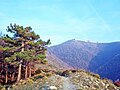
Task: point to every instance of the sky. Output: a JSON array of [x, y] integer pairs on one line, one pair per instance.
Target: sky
[[62, 20]]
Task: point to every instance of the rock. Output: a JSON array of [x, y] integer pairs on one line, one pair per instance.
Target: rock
[[53, 88], [66, 73], [48, 88], [44, 88], [117, 83]]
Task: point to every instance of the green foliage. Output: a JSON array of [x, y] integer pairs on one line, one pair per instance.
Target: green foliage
[[2, 87], [31, 41], [48, 42], [1, 48], [44, 61], [23, 47], [37, 77], [40, 56]]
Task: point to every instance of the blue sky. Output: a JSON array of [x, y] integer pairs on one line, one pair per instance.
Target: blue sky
[[62, 20]]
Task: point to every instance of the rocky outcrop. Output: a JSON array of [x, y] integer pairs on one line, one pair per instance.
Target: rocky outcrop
[[79, 80], [87, 81]]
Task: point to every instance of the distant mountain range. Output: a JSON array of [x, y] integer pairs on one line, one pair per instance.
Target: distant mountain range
[[100, 58]]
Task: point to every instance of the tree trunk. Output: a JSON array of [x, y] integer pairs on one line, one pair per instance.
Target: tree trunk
[[19, 72], [33, 70], [23, 44], [20, 65], [6, 76], [26, 70], [12, 79], [29, 71]]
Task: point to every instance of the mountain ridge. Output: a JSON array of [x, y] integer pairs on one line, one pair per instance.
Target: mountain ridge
[[90, 56]]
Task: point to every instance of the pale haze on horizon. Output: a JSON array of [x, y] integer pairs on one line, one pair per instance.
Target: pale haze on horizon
[[62, 20]]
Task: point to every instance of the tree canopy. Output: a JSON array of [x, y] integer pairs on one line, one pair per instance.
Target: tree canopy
[[21, 49]]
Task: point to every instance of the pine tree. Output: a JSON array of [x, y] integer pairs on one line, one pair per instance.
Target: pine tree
[[23, 48]]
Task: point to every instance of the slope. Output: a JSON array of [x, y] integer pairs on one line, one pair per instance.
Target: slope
[[101, 58], [56, 62]]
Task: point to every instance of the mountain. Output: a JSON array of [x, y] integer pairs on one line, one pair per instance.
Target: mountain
[[56, 62], [101, 58], [76, 53]]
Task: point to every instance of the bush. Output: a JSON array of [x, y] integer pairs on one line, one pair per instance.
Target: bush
[[44, 61]]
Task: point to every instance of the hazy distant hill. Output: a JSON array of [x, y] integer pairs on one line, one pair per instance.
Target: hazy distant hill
[[102, 58]]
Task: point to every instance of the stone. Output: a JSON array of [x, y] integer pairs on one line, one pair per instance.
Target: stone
[[48, 88], [53, 88]]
